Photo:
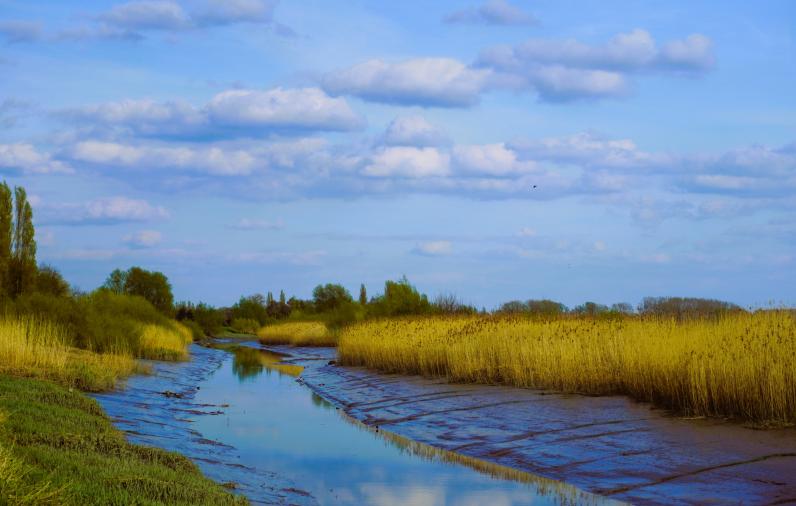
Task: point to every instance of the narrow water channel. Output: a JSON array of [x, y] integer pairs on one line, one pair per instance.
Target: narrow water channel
[[250, 423]]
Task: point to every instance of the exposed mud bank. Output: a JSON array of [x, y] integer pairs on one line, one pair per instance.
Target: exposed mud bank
[[607, 445]]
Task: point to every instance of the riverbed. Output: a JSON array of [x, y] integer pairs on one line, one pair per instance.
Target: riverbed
[[247, 420]]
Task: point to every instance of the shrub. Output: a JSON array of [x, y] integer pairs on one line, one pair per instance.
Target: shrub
[[245, 325]]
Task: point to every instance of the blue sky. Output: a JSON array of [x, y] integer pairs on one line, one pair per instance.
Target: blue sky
[[593, 150]]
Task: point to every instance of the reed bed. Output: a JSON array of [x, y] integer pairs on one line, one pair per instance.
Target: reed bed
[[160, 342], [298, 334], [740, 366], [38, 349]]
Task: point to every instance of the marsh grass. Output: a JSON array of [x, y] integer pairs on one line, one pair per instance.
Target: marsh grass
[[57, 447], [38, 349], [165, 342], [299, 333], [740, 366]]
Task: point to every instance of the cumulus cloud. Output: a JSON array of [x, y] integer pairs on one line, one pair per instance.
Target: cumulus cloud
[[17, 31], [591, 150], [228, 112], [29, 160], [442, 82], [143, 239], [562, 70], [409, 162], [303, 108], [492, 12], [211, 160], [413, 131], [434, 248], [489, 159], [132, 20]]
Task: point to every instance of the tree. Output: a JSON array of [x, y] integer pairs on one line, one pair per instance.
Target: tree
[[282, 301], [252, 308], [330, 296], [400, 298], [22, 271], [115, 281], [363, 294], [152, 285], [49, 281], [6, 222]]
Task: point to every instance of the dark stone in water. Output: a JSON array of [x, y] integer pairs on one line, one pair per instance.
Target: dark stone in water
[[169, 393]]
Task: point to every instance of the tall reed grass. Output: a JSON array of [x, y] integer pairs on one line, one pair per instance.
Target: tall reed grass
[[741, 365], [160, 342], [38, 348], [298, 334]]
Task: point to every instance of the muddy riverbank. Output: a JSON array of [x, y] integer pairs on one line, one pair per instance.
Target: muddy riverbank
[[607, 445]]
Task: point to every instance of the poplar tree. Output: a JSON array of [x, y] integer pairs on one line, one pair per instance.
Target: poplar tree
[[23, 258], [363, 294], [6, 222]]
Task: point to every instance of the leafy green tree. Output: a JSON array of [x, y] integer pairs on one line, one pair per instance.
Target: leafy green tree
[[151, 285], [115, 281], [400, 298], [49, 281], [6, 223], [330, 296], [253, 307], [363, 295], [22, 271]]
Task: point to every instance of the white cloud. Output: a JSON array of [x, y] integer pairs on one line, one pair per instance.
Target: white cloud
[[302, 108], [230, 112], [561, 70], [492, 12], [122, 209], [413, 131], [211, 160], [26, 158], [102, 211], [434, 248], [489, 159], [410, 162], [527, 232], [143, 116], [591, 150], [143, 239], [442, 82]]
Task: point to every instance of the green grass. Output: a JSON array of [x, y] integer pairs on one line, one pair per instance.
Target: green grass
[[58, 447]]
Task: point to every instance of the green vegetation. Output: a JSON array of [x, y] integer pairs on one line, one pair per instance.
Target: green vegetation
[[57, 447]]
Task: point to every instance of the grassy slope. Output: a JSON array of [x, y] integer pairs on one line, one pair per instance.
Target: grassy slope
[[58, 447]]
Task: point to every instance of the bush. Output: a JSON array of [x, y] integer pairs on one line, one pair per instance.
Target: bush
[[245, 325], [329, 297], [399, 298]]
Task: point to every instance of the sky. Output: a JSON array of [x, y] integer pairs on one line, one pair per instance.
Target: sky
[[600, 150]]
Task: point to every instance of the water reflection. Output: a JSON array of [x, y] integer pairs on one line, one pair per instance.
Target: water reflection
[[276, 426], [248, 363]]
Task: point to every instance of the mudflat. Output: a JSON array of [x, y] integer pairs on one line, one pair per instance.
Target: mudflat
[[611, 446]]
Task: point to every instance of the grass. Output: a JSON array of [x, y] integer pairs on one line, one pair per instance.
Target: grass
[[161, 342], [37, 348], [301, 333], [740, 366], [57, 447]]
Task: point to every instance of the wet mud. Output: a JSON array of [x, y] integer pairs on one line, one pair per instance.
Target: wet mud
[[611, 446]]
